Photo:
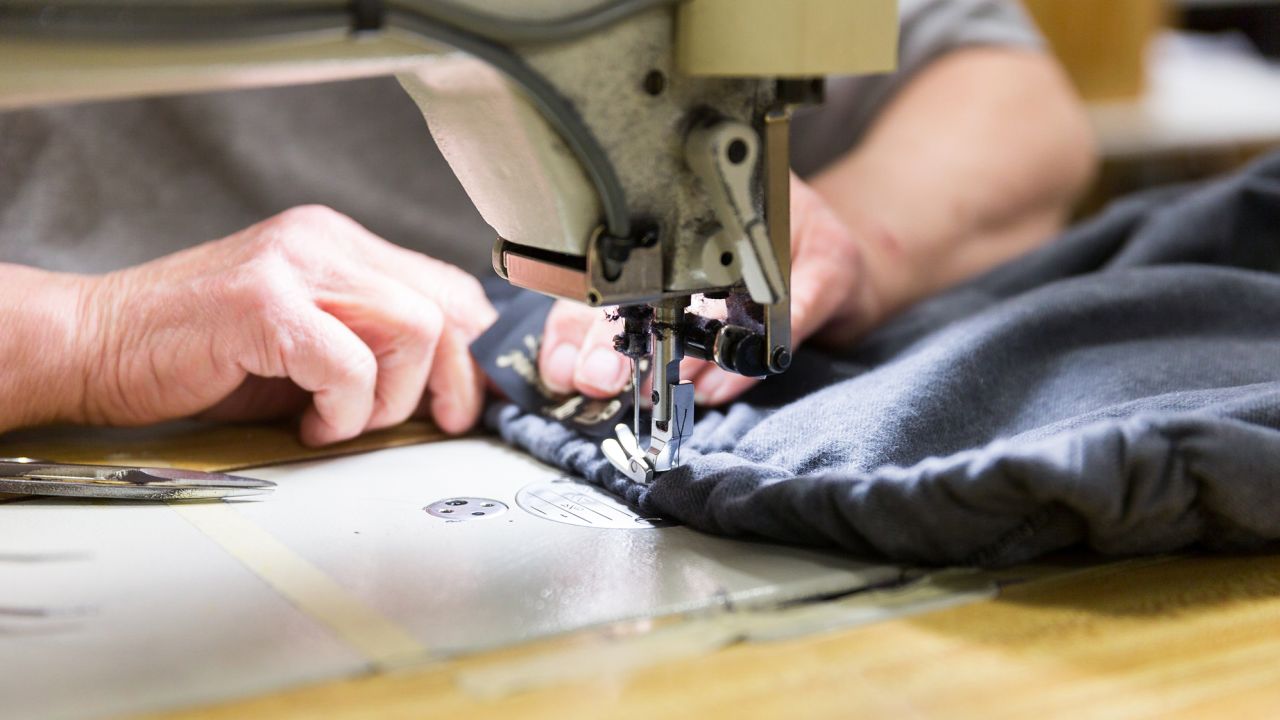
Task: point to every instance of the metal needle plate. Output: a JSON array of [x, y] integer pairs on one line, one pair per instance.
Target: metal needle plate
[[575, 503], [460, 509]]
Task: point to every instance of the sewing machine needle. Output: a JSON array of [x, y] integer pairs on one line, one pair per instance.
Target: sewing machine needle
[[635, 395]]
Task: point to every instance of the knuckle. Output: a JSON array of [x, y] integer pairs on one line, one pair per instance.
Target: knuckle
[[308, 215], [274, 237], [467, 284], [451, 282], [358, 369], [424, 324], [296, 231], [258, 287]]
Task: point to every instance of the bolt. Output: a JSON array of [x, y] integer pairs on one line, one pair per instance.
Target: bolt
[[655, 82], [737, 151], [781, 359]]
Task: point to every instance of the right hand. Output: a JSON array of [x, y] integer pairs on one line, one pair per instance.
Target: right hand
[[304, 312]]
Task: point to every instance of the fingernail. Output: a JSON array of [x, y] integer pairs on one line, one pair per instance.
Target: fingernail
[[705, 388], [462, 406], [558, 372], [604, 370]]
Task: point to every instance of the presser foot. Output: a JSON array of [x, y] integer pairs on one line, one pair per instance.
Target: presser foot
[[624, 453], [667, 438]]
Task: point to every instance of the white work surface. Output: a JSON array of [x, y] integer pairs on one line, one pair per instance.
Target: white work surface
[[108, 608], [1204, 93]]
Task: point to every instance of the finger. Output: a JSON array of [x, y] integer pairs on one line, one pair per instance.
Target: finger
[[716, 386], [562, 337], [812, 302], [402, 328], [323, 356], [600, 370], [455, 390], [828, 281], [692, 368], [459, 294], [712, 385]]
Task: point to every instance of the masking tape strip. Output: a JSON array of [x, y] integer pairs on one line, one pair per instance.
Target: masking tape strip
[[372, 634]]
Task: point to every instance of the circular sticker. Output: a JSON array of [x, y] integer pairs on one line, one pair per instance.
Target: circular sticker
[[574, 502]]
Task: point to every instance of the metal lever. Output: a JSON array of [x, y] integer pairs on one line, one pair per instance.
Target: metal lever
[[725, 156]]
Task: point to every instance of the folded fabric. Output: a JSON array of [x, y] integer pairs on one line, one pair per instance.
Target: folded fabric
[[1119, 388]]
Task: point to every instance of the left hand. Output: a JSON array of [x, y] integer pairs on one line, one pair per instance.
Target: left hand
[[831, 301]]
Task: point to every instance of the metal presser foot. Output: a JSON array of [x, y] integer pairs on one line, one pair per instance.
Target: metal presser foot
[[671, 423]]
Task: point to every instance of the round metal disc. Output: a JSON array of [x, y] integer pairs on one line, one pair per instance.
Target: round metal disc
[[466, 508]]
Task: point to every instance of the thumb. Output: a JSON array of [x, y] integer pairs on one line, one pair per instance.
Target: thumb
[[601, 371], [577, 352]]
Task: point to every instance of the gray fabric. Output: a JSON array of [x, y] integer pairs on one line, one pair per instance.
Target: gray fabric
[[1119, 388], [929, 29], [98, 187]]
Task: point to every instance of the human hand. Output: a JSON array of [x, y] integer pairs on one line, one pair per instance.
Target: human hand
[[831, 301], [304, 312]]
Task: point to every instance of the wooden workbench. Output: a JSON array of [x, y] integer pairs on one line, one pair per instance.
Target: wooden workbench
[[1167, 637]]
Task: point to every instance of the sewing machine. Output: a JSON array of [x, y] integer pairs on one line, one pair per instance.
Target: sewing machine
[[629, 153]]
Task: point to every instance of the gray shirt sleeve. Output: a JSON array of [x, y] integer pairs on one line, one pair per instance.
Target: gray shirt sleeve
[[930, 28]]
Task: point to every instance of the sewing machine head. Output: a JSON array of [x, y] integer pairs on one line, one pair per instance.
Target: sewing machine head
[[629, 153]]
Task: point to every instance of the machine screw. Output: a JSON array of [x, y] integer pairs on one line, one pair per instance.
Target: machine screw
[[655, 82], [465, 508], [781, 359]]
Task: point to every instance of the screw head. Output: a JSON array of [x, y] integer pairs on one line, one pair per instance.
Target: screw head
[[655, 82], [781, 359]]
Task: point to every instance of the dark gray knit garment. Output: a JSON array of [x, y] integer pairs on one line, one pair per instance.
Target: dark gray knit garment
[[1118, 389]]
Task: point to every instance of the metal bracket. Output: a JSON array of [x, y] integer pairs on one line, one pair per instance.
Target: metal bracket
[[595, 280], [725, 157]]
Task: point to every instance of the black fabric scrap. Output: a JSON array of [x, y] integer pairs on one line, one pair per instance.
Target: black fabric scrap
[[508, 354]]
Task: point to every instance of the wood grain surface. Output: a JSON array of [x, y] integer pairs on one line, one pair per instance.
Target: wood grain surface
[[198, 446], [1177, 637]]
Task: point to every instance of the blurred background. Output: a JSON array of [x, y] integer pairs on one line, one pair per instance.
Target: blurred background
[[1177, 89]]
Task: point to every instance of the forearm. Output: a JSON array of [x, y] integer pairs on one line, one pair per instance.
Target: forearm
[[978, 160], [39, 382]]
